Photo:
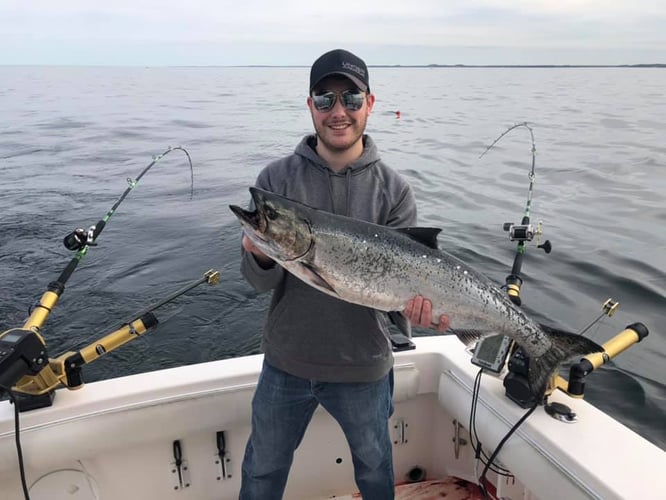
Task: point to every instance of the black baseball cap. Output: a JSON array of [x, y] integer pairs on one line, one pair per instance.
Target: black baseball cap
[[340, 62]]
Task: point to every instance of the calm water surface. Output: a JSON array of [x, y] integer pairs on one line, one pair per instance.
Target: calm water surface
[[70, 137]]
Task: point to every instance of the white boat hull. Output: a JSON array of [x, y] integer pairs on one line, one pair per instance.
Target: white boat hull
[[113, 439]]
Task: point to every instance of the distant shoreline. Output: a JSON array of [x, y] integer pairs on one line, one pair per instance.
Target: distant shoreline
[[392, 66], [656, 65], [529, 66]]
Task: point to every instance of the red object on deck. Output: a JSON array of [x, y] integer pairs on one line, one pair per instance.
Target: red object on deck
[[451, 488], [397, 114]]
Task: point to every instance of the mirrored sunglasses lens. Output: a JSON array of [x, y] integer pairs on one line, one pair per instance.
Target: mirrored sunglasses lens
[[352, 100], [324, 102]]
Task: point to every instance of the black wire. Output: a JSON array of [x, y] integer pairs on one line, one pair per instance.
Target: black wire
[[482, 478], [17, 436], [478, 448], [108, 215]]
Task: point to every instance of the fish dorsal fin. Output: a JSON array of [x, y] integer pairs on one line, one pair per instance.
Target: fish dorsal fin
[[425, 235]]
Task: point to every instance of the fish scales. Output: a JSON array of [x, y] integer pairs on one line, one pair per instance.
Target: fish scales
[[382, 268], [377, 266]]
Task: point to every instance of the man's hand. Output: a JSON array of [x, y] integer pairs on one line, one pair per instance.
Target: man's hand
[[419, 311], [262, 259]]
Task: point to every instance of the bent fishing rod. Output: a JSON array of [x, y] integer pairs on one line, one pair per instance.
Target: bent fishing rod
[[24, 363], [515, 381], [80, 240], [525, 231]]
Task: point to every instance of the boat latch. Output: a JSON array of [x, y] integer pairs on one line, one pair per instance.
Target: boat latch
[[458, 440], [222, 458], [180, 471], [399, 431]]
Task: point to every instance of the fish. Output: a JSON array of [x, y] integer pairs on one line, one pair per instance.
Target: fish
[[383, 267]]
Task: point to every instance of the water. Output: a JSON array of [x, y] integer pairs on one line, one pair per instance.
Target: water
[[70, 137]]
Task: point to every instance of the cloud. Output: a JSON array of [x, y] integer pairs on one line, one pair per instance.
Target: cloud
[[586, 25]]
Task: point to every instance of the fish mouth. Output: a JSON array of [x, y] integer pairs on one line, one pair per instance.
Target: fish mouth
[[254, 222], [255, 219], [252, 219]]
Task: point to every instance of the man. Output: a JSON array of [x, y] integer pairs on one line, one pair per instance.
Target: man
[[318, 349]]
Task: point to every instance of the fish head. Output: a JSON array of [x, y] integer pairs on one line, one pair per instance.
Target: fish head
[[278, 226]]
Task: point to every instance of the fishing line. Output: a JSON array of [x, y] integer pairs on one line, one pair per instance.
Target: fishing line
[[525, 231], [531, 174], [81, 239]]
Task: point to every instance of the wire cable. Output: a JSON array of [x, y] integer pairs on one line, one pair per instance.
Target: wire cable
[[17, 440], [513, 429], [479, 453]]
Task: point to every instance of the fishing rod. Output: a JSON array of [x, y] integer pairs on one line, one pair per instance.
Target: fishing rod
[[525, 231], [498, 349], [27, 374], [491, 353], [37, 390], [80, 240], [23, 357]]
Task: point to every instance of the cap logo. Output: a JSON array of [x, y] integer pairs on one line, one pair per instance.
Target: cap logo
[[354, 68]]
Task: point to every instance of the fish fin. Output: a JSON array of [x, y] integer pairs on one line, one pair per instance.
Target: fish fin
[[565, 347], [425, 235], [468, 336], [316, 278], [401, 321]]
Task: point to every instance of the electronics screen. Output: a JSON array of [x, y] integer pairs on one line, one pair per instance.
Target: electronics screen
[[491, 352], [10, 337]]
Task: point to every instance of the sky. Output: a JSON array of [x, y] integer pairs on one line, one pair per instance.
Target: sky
[[295, 32]]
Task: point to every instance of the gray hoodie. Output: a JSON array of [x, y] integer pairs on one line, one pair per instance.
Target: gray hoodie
[[308, 333]]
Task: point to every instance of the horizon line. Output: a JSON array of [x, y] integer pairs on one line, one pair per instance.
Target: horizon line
[[433, 65]]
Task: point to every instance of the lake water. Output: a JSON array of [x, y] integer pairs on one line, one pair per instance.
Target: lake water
[[71, 136]]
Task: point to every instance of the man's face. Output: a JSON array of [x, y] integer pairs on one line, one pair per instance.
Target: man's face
[[340, 128]]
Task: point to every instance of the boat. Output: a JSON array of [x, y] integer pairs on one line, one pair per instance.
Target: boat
[[180, 433], [463, 425]]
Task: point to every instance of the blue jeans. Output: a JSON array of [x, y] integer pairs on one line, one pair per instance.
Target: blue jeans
[[282, 408]]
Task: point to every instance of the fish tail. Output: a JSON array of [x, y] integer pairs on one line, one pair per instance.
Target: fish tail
[[565, 347]]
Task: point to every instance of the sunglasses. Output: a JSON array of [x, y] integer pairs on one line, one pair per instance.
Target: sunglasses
[[351, 100]]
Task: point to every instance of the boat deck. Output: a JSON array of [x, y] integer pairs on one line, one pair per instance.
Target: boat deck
[[451, 488]]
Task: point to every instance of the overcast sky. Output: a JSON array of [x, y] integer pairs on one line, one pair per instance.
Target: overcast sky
[[294, 32]]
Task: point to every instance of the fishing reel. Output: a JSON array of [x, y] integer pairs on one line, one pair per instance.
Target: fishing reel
[[516, 383], [80, 238], [519, 232], [526, 232], [22, 352], [523, 232]]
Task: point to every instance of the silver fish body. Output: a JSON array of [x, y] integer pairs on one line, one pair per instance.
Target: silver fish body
[[382, 268]]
